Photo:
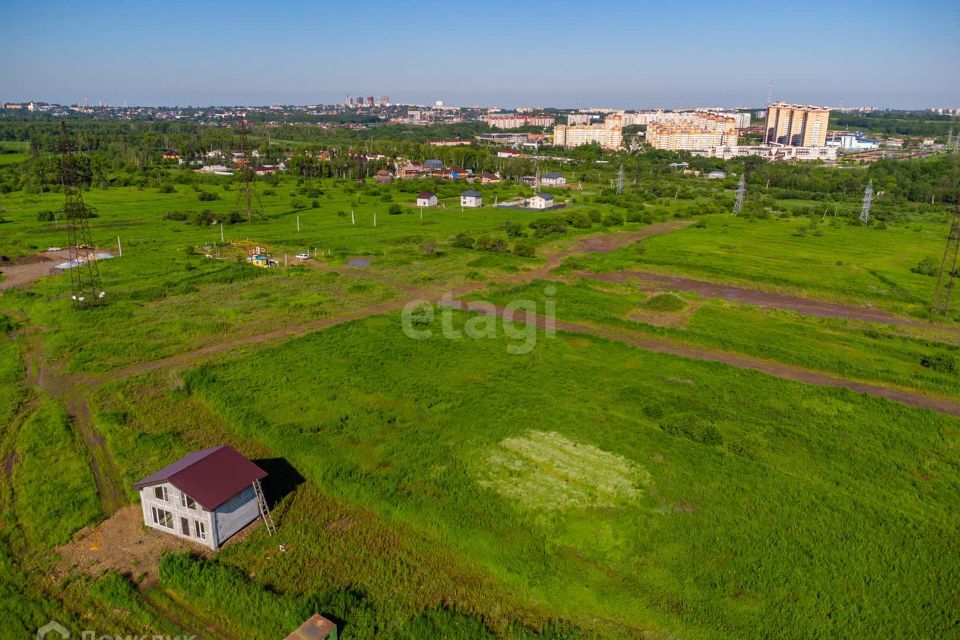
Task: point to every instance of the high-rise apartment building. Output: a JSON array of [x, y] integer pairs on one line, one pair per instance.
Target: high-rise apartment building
[[608, 135], [797, 125], [699, 130]]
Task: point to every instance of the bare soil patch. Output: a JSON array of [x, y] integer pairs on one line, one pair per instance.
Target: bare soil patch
[[120, 543]]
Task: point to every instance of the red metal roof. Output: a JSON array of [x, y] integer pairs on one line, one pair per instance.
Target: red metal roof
[[315, 628], [211, 476]]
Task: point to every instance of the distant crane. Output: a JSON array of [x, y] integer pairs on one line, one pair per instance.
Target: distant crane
[[943, 293], [867, 203], [741, 192]]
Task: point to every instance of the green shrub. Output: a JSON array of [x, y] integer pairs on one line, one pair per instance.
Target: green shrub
[[524, 249], [395, 209], [693, 428], [665, 302], [464, 240], [927, 267]]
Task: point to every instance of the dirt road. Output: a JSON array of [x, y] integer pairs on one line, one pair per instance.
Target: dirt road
[[767, 300]]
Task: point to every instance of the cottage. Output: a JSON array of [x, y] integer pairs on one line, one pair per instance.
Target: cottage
[[540, 201], [433, 165], [554, 179], [489, 178], [383, 177], [471, 198], [205, 497], [426, 199]]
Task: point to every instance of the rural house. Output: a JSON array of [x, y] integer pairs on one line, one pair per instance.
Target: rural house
[[205, 496], [471, 198], [554, 179], [426, 199], [540, 201]]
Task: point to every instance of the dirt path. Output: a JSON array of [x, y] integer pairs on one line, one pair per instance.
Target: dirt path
[[777, 369], [72, 391], [608, 243], [30, 268], [755, 297]]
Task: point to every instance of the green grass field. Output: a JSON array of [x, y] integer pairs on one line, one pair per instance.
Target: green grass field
[[450, 488], [781, 516], [833, 260]]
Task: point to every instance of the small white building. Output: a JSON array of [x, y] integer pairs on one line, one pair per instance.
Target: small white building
[[205, 497], [716, 175], [553, 179], [471, 198], [540, 201], [426, 199]]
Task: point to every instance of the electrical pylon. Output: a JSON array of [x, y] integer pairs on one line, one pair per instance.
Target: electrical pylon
[[620, 180], [84, 273], [943, 293], [741, 192], [867, 203], [248, 200]]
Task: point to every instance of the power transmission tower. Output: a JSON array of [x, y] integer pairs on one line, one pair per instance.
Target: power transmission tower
[[741, 192], [867, 203], [84, 273], [248, 200], [620, 180], [943, 292], [361, 168]]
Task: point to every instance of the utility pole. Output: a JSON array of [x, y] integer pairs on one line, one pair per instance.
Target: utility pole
[[620, 180], [119, 247], [353, 220], [741, 192], [221, 233], [867, 203], [298, 224]]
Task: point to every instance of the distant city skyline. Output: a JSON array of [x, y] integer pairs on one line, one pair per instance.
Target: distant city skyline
[[560, 54]]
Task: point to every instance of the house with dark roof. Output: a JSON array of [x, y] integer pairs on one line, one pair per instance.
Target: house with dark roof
[[426, 199], [540, 201], [471, 198], [554, 179], [205, 497]]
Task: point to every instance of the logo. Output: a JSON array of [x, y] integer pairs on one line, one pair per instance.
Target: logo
[[52, 630]]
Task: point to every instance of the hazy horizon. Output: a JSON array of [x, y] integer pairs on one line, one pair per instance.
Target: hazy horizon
[[883, 54]]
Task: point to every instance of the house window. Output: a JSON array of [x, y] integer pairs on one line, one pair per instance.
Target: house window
[[162, 518], [201, 529], [187, 501], [160, 493]]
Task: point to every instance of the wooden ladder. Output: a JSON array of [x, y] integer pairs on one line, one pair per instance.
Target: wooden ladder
[[264, 509]]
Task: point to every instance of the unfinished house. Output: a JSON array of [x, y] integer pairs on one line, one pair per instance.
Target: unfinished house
[[206, 496]]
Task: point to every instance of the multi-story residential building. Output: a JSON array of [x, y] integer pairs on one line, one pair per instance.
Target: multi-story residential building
[[772, 152], [577, 119], [608, 135], [511, 121], [797, 125], [699, 130]]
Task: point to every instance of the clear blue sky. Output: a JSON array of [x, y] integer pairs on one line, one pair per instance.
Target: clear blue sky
[[618, 53]]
